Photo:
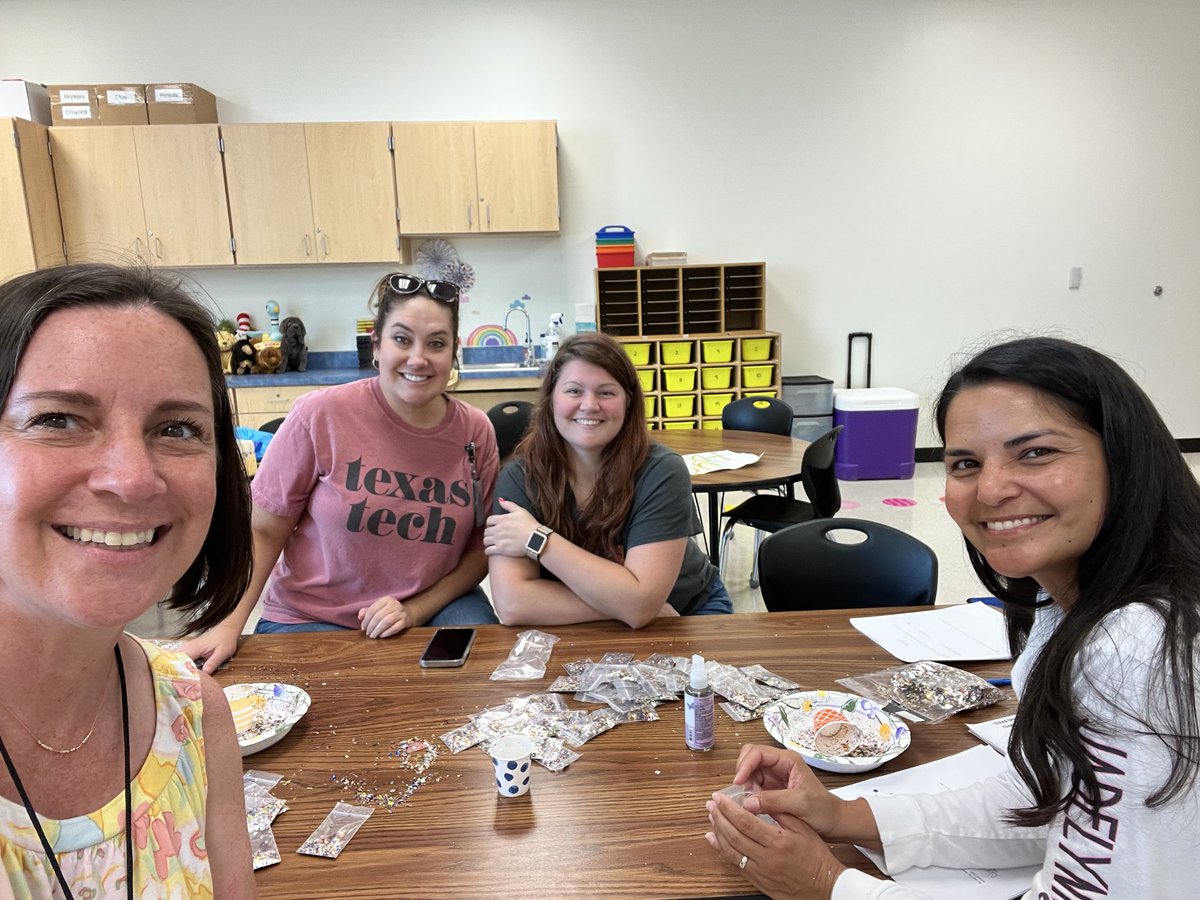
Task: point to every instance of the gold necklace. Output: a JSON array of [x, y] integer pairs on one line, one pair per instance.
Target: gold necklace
[[86, 737]]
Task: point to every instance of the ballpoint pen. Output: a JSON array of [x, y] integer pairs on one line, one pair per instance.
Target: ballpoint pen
[[999, 682]]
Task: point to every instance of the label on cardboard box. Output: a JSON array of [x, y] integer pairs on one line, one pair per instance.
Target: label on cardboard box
[[122, 98], [65, 97], [75, 112], [169, 95]]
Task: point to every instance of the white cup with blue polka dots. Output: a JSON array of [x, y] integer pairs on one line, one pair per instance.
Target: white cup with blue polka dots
[[510, 759]]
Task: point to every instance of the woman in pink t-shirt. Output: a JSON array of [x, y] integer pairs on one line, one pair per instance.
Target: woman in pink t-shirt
[[369, 504]]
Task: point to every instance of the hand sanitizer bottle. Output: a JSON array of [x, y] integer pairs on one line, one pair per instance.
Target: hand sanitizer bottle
[[553, 336], [698, 708]]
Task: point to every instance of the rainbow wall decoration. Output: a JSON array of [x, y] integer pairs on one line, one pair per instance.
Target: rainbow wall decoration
[[491, 336]]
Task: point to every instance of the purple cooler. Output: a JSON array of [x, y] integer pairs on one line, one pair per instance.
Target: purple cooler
[[879, 439]]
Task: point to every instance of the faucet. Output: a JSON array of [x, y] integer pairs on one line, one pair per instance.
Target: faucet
[[519, 306]]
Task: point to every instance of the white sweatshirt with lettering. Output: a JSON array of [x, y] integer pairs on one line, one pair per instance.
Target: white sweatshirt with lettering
[[1125, 849]]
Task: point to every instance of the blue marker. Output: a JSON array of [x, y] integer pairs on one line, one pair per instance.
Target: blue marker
[[999, 682]]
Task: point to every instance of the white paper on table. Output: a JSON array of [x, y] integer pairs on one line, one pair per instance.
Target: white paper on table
[[994, 732], [946, 634], [703, 463], [957, 771]]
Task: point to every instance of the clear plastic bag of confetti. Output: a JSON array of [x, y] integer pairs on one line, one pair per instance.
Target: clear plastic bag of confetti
[[932, 690], [265, 780], [263, 849], [332, 835], [737, 687], [461, 738], [739, 713], [528, 657], [262, 807], [758, 673]]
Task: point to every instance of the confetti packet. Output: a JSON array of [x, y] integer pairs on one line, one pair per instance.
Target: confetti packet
[[262, 808], [564, 683], [932, 690], [662, 661], [556, 757], [264, 851], [758, 673], [332, 835], [740, 713], [266, 780], [737, 687], [462, 737], [617, 658], [528, 657], [576, 667]]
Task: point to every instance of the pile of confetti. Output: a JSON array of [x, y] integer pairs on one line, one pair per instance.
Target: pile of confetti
[[415, 756]]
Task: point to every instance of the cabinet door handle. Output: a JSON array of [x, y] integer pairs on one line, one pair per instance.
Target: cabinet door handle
[[470, 215], [137, 244], [158, 246], [325, 244], [307, 246], [488, 207]]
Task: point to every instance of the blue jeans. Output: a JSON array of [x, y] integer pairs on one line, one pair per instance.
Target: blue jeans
[[472, 608], [718, 602]]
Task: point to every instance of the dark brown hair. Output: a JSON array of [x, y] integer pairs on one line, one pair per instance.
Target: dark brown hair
[[384, 300], [215, 581], [597, 527]]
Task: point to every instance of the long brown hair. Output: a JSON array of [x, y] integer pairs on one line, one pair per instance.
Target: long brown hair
[[597, 527]]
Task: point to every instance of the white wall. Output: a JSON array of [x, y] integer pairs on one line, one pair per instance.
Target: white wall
[[927, 170]]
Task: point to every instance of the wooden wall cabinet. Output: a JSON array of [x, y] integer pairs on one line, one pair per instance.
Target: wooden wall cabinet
[[473, 178], [28, 200], [307, 193], [152, 193]]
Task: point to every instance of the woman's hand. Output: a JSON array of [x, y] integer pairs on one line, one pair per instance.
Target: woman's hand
[[783, 861], [385, 617], [212, 648], [507, 534], [782, 782]]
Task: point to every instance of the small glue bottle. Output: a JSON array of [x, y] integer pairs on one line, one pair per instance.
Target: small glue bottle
[[698, 708]]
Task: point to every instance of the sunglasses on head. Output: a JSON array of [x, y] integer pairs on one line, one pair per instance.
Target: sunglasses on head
[[442, 291]]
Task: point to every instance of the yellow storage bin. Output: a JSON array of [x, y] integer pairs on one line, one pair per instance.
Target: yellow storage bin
[[678, 406], [679, 379], [711, 424], [717, 351], [759, 393], [650, 401], [757, 376], [714, 403], [717, 378], [676, 353], [639, 353], [646, 377], [755, 349], [679, 426]]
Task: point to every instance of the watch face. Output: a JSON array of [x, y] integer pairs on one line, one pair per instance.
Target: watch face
[[536, 542]]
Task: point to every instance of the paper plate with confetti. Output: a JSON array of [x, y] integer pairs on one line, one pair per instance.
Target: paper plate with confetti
[[836, 732], [263, 713]]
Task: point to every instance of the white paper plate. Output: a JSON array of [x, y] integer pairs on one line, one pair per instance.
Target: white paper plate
[[790, 721], [264, 712]]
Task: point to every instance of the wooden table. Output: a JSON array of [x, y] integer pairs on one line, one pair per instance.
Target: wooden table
[[627, 819], [780, 466]]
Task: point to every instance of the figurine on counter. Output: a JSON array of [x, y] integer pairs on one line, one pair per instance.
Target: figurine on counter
[[270, 358], [244, 356], [273, 320], [243, 322], [225, 341], [295, 351]]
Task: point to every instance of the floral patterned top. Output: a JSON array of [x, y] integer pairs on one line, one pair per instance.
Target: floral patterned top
[[168, 825]]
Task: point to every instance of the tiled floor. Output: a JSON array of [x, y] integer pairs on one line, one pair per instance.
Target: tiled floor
[[912, 505]]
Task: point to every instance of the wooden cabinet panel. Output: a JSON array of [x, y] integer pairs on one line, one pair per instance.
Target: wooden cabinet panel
[[353, 195], [28, 200], [99, 193], [435, 177], [517, 170], [266, 171], [183, 195]]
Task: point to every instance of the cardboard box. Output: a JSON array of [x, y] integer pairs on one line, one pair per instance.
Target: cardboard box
[[25, 100], [180, 104], [98, 104]]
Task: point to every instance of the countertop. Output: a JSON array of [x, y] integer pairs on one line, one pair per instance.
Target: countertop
[[340, 367]]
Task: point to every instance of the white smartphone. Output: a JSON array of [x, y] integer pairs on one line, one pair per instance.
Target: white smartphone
[[449, 647]]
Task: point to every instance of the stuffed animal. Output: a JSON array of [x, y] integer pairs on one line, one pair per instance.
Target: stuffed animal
[[295, 351], [269, 358], [244, 356], [225, 341]]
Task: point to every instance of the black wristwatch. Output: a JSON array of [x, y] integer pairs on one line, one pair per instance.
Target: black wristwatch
[[537, 542]]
